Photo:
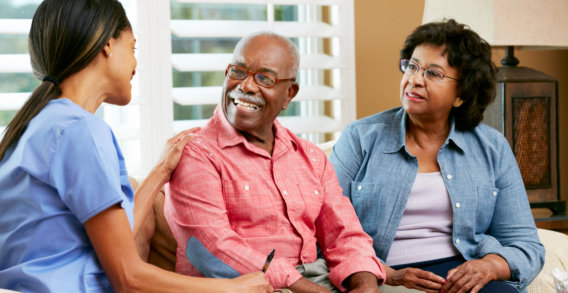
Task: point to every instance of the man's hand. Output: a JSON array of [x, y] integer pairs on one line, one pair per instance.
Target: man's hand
[[475, 274], [413, 278], [304, 285], [363, 282]]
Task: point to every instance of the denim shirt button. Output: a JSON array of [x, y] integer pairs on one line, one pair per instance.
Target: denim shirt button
[[458, 241], [449, 177], [458, 205], [359, 187], [494, 193]]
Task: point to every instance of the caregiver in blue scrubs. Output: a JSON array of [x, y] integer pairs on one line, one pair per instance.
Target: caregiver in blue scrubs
[[69, 215]]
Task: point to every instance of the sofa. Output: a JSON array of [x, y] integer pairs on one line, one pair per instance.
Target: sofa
[[156, 244]]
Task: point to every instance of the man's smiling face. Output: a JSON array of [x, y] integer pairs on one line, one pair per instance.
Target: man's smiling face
[[248, 106]]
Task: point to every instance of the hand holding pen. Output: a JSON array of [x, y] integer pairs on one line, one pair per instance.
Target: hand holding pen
[[268, 260]]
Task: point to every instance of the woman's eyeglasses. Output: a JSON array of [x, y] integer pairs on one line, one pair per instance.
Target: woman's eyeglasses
[[410, 67], [263, 79]]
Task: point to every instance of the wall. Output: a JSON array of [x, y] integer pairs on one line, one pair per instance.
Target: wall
[[380, 30]]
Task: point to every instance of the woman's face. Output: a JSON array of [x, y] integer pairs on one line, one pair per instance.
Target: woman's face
[[428, 99], [122, 69]]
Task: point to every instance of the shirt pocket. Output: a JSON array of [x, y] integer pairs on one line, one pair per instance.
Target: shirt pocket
[[366, 200], [486, 198], [250, 208], [312, 196]]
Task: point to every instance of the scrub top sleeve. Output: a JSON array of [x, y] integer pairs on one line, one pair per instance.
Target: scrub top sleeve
[[85, 169]]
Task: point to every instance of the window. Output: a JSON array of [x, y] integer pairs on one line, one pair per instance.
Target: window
[[16, 80], [184, 47]]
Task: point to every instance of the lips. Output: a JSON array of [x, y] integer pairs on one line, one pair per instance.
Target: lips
[[245, 105], [412, 96], [245, 102]]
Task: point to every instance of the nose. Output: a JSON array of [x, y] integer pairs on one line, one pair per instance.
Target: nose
[[417, 78], [248, 85]]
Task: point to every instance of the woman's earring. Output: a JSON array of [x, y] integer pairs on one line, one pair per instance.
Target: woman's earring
[[458, 102], [110, 54]]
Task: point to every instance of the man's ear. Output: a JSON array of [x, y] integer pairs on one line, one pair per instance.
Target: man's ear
[[292, 92]]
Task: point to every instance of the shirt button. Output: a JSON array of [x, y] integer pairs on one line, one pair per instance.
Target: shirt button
[[316, 192], [284, 192], [494, 193], [246, 187], [449, 177], [211, 154], [359, 187], [458, 241], [458, 205]]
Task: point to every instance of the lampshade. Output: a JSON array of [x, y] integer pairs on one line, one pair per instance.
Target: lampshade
[[519, 23]]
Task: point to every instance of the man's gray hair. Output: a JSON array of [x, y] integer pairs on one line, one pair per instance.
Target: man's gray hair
[[294, 54]]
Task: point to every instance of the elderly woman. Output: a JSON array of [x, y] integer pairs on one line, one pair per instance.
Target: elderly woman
[[441, 194]]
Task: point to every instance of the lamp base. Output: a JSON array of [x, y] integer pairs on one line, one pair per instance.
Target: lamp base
[[525, 111]]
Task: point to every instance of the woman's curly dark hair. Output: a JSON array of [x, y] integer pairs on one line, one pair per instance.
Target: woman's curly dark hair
[[471, 55]]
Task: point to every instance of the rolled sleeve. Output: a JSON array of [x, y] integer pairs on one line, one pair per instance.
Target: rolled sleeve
[[281, 274], [346, 247]]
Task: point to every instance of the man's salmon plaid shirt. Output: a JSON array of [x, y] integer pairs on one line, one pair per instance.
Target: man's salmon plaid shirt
[[229, 203]]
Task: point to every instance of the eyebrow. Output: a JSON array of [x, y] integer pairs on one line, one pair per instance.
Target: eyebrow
[[435, 66], [263, 69]]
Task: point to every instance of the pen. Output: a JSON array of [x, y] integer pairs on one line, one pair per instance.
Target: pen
[[268, 260]]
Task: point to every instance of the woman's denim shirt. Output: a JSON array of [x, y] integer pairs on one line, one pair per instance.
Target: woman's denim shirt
[[491, 212]]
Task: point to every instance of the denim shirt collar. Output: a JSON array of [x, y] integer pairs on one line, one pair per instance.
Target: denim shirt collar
[[397, 138]]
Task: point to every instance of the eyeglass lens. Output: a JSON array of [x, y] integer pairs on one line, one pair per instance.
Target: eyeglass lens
[[262, 79], [410, 68]]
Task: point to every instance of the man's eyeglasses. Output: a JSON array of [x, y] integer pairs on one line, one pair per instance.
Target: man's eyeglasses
[[264, 79], [410, 67]]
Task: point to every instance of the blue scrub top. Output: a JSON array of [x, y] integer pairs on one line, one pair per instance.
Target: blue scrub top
[[66, 168]]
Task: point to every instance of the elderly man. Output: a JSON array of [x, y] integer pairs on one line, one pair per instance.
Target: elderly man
[[246, 185]]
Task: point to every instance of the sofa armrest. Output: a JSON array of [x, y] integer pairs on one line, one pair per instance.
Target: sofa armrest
[[556, 246]]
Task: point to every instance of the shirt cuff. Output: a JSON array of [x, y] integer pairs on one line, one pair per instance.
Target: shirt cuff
[[354, 265], [281, 274]]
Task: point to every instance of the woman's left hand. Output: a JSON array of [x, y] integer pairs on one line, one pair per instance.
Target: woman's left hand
[[171, 154], [475, 274]]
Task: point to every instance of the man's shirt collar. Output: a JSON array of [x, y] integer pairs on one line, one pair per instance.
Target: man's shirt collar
[[228, 136]]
